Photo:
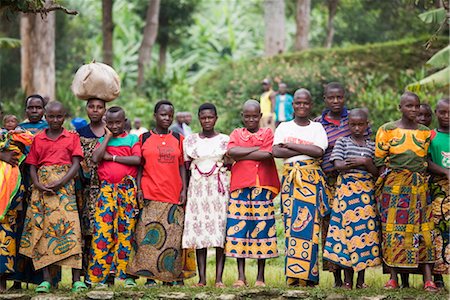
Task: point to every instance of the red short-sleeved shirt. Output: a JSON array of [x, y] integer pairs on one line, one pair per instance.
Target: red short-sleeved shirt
[[251, 173], [162, 156], [47, 152], [123, 145]]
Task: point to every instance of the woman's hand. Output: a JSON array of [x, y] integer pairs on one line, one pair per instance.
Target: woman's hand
[[9, 157], [182, 197], [107, 156], [43, 188], [55, 186]]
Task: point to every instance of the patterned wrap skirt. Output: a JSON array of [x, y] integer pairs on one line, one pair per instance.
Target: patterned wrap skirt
[[251, 231], [441, 214], [304, 200], [52, 233], [353, 235], [407, 224], [158, 252]]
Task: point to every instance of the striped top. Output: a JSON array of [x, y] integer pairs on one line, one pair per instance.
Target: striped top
[[334, 132], [345, 148]]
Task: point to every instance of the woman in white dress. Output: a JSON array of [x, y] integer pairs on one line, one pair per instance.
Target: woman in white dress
[[208, 193]]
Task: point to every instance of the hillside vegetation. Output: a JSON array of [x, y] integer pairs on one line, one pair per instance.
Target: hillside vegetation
[[374, 75]]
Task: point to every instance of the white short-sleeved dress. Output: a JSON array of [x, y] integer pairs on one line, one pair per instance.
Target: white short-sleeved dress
[[208, 192]]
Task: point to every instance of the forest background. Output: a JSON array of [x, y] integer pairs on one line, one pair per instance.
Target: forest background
[[195, 51]]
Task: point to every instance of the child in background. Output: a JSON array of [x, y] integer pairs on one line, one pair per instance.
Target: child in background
[[52, 234], [439, 166], [254, 184], [12, 139], [352, 240], [118, 156], [425, 115]]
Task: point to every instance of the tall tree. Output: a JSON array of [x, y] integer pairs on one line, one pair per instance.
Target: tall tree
[[149, 38], [274, 20], [302, 18], [37, 53], [332, 8], [175, 17], [108, 30]]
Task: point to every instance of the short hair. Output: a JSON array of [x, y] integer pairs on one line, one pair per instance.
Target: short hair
[[161, 103], [333, 85], [442, 101], [410, 94], [251, 102], [91, 99], [55, 103], [6, 117], [358, 112], [115, 109], [426, 106], [35, 96], [207, 106], [302, 91]]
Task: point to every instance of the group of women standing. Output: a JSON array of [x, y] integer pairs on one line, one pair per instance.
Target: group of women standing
[[214, 190]]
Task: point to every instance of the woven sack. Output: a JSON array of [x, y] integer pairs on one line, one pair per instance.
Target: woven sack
[[96, 80]]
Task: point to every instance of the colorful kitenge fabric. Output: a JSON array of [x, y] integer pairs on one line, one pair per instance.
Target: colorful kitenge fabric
[[251, 231], [331, 182], [353, 240], [403, 196], [52, 233], [11, 179], [441, 214], [304, 199], [159, 254], [208, 192], [8, 235], [114, 224], [90, 184], [406, 219]]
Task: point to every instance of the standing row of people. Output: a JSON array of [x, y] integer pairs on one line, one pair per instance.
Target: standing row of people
[[161, 195]]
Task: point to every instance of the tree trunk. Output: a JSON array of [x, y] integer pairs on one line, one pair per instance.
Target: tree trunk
[[148, 40], [38, 53], [274, 20], [162, 54], [302, 18], [332, 7], [108, 29]]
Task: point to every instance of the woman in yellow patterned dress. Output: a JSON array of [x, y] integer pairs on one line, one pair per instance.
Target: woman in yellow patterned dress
[[403, 195]]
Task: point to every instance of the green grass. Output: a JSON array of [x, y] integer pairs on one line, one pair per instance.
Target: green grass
[[274, 279]]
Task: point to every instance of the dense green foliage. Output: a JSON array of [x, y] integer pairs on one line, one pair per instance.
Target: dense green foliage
[[374, 75]]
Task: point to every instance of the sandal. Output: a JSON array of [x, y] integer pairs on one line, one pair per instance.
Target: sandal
[[199, 284], [430, 286], [260, 283], [347, 286], [78, 286], [44, 287], [391, 284], [150, 283], [239, 284], [220, 285], [130, 283], [362, 286]]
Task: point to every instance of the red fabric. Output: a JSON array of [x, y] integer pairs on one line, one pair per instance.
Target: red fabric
[[251, 173], [114, 172], [433, 134], [333, 121], [162, 157], [47, 152]]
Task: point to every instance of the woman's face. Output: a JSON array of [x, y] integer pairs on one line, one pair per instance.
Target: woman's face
[[95, 110], [164, 116], [207, 119]]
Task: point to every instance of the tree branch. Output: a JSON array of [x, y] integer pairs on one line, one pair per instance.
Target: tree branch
[[46, 10]]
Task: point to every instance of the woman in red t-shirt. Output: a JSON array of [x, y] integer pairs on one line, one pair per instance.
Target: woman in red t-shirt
[[161, 193]]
